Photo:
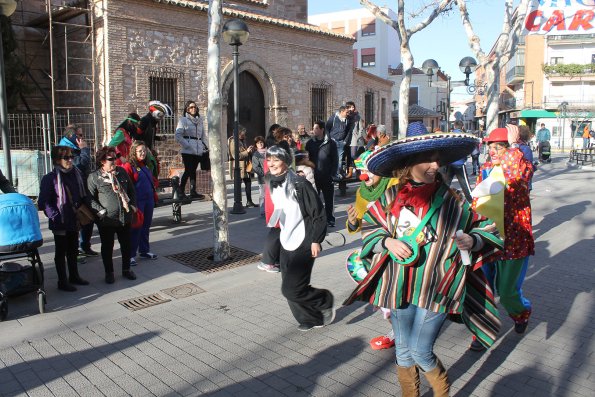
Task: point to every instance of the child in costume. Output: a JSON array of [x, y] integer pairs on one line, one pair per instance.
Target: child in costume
[[414, 257], [502, 193]]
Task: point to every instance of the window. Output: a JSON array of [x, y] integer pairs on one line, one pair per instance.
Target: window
[[383, 111], [556, 60], [369, 27], [163, 86], [369, 107], [319, 98], [413, 95], [368, 57]]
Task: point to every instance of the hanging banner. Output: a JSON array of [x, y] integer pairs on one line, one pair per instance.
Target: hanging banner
[[560, 17]]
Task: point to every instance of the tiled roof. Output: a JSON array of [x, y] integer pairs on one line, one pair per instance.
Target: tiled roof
[[250, 16], [418, 111]]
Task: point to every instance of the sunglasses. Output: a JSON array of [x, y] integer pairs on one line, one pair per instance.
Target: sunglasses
[[110, 158], [67, 158], [191, 107]]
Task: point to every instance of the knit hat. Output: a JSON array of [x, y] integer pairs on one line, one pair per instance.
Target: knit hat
[[452, 146]]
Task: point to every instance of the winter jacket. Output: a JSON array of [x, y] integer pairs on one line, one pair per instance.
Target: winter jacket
[[103, 197], [337, 128], [357, 130], [244, 158], [148, 130], [64, 218], [190, 135], [258, 160], [5, 184], [323, 153]]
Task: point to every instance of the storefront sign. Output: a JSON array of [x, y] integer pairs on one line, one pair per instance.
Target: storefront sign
[[560, 17]]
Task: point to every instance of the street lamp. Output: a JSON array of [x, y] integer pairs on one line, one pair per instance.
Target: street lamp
[[235, 33], [429, 66], [7, 8], [395, 103], [563, 107]]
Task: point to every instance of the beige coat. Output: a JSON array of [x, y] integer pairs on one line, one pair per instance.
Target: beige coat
[[245, 158]]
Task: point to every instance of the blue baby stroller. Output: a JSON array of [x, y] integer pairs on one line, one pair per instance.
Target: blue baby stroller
[[20, 236]]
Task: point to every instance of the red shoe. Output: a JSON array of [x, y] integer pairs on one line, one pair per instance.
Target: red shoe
[[381, 342]]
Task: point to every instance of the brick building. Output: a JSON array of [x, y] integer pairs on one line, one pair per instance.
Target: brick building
[[291, 72]]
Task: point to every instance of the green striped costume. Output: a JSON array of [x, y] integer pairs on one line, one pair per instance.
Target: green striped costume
[[438, 282]]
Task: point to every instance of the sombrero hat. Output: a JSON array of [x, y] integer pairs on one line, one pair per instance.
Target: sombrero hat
[[451, 145]]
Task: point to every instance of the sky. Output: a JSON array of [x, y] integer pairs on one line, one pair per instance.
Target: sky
[[444, 39]]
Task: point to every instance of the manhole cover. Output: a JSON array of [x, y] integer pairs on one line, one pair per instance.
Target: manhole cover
[[143, 302], [183, 291], [199, 259]]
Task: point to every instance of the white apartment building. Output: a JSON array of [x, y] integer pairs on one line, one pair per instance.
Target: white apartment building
[[377, 45]]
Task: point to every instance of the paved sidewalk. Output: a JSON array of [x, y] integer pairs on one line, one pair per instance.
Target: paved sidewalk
[[238, 338]]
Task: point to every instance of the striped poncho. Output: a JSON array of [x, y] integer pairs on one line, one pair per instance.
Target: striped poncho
[[438, 282]]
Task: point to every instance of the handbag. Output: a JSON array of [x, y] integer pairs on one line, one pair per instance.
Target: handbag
[[249, 167], [84, 215], [138, 220]]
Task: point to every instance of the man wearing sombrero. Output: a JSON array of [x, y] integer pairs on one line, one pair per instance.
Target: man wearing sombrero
[[502, 193], [413, 251]]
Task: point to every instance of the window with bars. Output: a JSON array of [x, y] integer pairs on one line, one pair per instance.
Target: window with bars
[[369, 107], [319, 100]]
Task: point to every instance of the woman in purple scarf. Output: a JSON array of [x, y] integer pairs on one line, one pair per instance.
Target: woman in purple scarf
[[62, 190]]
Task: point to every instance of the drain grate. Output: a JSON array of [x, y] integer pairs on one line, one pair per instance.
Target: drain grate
[[199, 259], [143, 302], [183, 291]]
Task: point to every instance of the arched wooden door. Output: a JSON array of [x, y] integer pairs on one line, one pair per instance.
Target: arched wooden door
[[251, 109]]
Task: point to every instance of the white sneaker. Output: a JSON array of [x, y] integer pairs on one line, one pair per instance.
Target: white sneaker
[[268, 268]]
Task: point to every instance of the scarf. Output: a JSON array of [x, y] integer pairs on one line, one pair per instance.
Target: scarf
[[373, 193], [415, 196], [110, 177], [277, 180], [61, 189]]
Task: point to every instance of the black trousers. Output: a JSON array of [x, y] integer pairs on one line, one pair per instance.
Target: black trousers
[[66, 251], [305, 301], [272, 247], [106, 234], [191, 162], [248, 188], [327, 188]]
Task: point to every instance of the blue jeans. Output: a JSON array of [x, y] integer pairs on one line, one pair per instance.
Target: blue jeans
[[340, 151], [416, 329]]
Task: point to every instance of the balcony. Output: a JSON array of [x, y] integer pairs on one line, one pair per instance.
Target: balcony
[[572, 71], [515, 75]]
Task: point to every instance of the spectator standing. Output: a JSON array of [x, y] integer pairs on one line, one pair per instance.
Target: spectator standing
[[144, 187], [114, 200], [258, 166], [587, 135], [123, 136], [303, 136], [190, 134], [322, 151], [298, 211], [75, 140], [356, 129], [245, 158], [61, 192], [543, 136], [336, 127]]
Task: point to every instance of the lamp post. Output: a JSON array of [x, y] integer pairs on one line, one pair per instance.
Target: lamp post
[[7, 8], [564, 108], [235, 33]]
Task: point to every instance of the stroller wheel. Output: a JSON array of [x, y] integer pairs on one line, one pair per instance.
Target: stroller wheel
[[3, 310], [41, 301]]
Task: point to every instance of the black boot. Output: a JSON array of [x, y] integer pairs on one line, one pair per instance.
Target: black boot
[[129, 274], [193, 193], [65, 286], [63, 283], [109, 277], [73, 272]]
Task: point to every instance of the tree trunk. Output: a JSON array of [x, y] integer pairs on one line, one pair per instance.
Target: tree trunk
[[221, 249]]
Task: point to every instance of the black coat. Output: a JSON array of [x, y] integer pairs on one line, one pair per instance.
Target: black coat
[[323, 153]]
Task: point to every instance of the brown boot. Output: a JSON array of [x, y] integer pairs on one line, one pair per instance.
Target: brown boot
[[438, 380], [409, 381], [349, 173]]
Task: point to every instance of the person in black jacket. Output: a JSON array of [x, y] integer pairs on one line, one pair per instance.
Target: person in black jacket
[[113, 198], [322, 151], [298, 212], [5, 184]]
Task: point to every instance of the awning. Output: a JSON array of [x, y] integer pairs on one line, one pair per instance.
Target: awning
[[538, 113]]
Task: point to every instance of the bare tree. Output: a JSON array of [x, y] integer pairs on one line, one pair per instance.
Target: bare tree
[[435, 8], [503, 49], [221, 249]]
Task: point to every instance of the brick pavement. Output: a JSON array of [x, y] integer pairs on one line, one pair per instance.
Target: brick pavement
[[238, 338]]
